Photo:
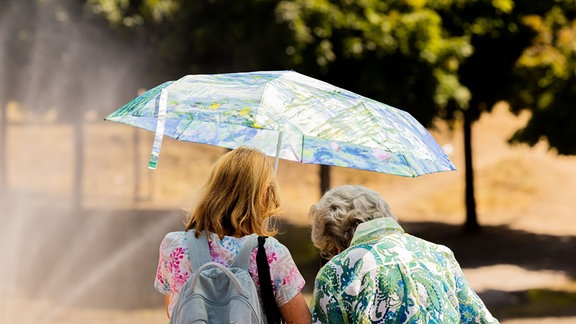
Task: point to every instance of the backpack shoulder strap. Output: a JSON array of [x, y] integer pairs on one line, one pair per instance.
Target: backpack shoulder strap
[[198, 249], [243, 258], [271, 310]]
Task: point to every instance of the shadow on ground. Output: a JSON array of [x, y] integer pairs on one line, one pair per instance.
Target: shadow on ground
[[108, 258]]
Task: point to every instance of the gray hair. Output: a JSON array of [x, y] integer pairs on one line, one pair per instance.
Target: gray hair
[[335, 217]]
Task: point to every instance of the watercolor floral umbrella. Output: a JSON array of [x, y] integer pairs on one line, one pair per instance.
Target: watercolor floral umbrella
[[286, 115]]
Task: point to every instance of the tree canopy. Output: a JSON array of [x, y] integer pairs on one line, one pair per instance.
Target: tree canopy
[[549, 63], [394, 51], [431, 58], [449, 59]]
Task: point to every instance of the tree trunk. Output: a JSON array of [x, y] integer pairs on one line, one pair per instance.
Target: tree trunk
[[471, 225], [324, 179]]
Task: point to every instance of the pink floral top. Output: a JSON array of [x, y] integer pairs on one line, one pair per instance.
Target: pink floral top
[[174, 267]]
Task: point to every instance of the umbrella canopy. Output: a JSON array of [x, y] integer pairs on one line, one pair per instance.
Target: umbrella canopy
[[290, 116]]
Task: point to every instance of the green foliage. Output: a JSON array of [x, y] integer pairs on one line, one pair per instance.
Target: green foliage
[[523, 54], [133, 14], [497, 40], [550, 64], [433, 58], [394, 51]]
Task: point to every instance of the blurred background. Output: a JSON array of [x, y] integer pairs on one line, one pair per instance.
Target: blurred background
[[81, 217]]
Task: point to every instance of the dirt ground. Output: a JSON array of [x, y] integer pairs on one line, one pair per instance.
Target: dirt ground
[[521, 263]]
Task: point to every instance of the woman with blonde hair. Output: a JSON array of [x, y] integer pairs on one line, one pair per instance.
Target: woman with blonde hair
[[239, 197], [377, 273]]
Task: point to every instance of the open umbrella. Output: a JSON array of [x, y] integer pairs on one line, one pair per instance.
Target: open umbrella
[[287, 115]]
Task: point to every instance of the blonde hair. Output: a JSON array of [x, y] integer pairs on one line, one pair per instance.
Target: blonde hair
[[240, 194], [335, 217]]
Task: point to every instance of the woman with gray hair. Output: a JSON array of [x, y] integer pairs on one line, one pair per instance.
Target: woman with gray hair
[[377, 273]]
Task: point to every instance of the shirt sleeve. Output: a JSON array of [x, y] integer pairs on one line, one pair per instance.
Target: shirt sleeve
[[287, 279], [472, 308], [171, 273], [161, 282]]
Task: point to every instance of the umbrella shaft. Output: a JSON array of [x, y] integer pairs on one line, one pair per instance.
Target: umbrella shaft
[[278, 147]]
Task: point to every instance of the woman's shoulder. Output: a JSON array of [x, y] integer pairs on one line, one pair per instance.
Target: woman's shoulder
[[272, 245], [272, 242], [172, 239], [439, 248], [175, 235]]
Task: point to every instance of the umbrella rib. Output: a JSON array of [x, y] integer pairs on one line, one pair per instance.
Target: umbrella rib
[[412, 173], [374, 120], [178, 136]]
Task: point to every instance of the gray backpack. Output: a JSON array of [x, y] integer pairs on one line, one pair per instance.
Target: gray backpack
[[215, 293]]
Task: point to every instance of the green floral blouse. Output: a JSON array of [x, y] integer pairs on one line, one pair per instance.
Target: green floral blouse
[[389, 276]]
